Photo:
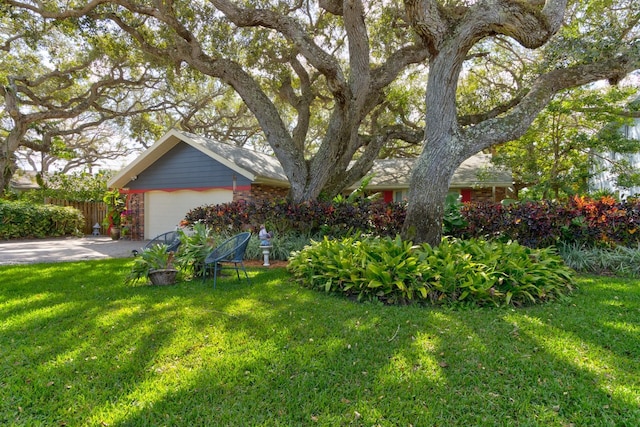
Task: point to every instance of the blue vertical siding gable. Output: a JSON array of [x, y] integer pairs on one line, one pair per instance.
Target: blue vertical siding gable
[[185, 167]]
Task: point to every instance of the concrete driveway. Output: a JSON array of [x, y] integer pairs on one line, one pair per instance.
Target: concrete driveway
[[65, 249]]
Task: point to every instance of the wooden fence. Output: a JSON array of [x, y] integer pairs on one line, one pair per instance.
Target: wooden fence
[[94, 212]]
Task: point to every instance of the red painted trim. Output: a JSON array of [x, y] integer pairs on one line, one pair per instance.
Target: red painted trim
[[145, 190], [388, 196]]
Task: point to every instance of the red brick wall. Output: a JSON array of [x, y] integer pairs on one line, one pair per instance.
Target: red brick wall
[[242, 195], [135, 205], [260, 192]]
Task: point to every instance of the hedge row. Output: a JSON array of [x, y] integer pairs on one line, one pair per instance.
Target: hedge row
[[25, 220], [308, 218], [582, 221]]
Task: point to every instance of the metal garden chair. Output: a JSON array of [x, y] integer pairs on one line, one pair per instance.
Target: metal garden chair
[[231, 251], [170, 238]]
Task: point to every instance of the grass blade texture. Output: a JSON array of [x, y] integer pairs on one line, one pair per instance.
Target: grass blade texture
[[80, 348]]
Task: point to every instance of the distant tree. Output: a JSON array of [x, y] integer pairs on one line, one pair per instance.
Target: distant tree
[[554, 158], [57, 90], [78, 186], [91, 149]]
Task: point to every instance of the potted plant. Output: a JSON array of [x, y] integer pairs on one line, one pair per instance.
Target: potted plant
[[155, 264], [116, 205]]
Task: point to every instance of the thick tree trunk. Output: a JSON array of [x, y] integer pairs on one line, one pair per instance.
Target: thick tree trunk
[[444, 150], [428, 190], [9, 146], [7, 168]]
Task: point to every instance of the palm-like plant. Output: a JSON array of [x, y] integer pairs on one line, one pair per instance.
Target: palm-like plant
[[195, 247], [149, 260], [116, 205]]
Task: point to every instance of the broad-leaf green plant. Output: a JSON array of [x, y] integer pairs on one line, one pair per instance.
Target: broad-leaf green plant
[[453, 219], [149, 260], [116, 205], [195, 245], [457, 272]]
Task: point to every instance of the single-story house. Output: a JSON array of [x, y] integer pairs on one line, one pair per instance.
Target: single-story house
[[23, 181], [182, 171], [476, 179]]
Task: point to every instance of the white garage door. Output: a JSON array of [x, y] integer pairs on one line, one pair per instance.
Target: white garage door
[[165, 209]]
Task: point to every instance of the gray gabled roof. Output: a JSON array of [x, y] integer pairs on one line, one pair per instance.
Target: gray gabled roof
[[473, 172], [22, 180], [255, 166], [260, 165], [478, 170], [263, 168]]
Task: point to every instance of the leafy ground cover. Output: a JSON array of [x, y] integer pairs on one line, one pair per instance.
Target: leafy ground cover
[[457, 272], [81, 348]]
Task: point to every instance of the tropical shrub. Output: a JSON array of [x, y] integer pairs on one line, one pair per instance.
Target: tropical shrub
[[367, 268], [474, 272], [195, 245], [583, 221], [151, 259], [116, 205], [453, 219], [336, 219], [537, 224], [22, 220]]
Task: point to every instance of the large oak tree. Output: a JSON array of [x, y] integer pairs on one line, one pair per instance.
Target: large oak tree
[[314, 74], [453, 33], [303, 65]]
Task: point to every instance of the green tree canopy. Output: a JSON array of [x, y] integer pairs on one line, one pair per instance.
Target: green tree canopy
[[60, 89], [320, 76], [555, 157]]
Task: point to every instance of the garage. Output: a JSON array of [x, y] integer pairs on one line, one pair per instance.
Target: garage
[[165, 209]]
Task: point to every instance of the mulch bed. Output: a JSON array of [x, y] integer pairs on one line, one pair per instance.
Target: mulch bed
[[258, 263]]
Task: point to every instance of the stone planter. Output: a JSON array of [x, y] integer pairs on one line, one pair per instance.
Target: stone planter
[[114, 232], [166, 276]]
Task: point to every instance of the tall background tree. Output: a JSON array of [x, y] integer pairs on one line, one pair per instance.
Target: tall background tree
[[579, 130], [61, 93]]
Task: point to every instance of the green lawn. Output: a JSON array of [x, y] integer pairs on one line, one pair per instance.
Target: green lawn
[[80, 348]]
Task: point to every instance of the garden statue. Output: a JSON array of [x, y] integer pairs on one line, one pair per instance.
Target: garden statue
[[265, 243], [264, 236]]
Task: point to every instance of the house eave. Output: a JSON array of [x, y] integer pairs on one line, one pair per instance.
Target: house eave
[[454, 185], [272, 182], [480, 184]]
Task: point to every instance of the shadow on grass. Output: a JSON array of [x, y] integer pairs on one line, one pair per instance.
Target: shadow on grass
[[83, 349]]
